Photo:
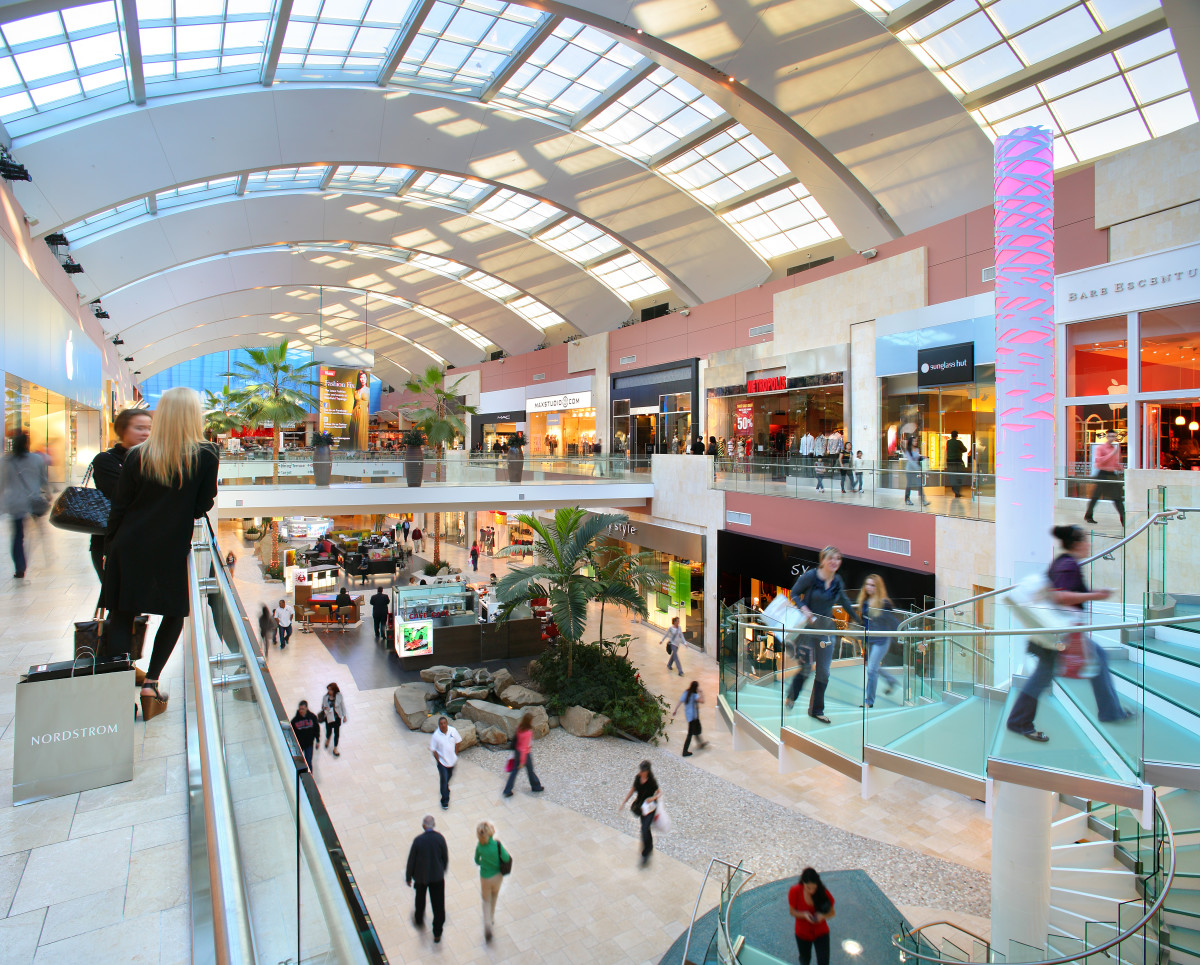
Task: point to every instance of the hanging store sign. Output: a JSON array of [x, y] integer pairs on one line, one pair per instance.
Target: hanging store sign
[[776, 383], [945, 365], [744, 419], [552, 403]]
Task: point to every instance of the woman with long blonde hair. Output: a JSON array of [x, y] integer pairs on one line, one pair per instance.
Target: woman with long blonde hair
[[167, 482], [875, 610]]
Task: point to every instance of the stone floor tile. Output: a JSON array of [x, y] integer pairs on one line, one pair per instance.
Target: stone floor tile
[[11, 866], [134, 941], [80, 915], [19, 937], [71, 869]]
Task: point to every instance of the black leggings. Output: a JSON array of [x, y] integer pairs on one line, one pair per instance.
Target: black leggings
[[820, 944], [121, 639], [97, 549], [333, 727]]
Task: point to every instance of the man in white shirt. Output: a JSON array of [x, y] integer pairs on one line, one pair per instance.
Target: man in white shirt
[[444, 744], [283, 619], [674, 638]]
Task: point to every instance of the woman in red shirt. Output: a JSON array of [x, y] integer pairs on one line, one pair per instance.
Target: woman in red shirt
[[812, 907]]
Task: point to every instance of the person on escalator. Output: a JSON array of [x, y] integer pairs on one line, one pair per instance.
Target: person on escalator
[[1070, 590], [815, 593]]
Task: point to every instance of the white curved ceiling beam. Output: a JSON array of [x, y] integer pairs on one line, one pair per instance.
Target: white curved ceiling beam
[[265, 268], [179, 235], [193, 139]]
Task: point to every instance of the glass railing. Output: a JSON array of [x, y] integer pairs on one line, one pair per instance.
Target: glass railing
[[278, 887], [454, 469]]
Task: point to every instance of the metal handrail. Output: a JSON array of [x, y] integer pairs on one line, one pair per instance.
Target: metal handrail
[[1163, 514], [1153, 910], [696, 908], [342, 908], [232, 937]]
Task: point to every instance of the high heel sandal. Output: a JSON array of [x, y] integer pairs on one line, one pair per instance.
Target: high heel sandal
[[153, 705], [139, 676]]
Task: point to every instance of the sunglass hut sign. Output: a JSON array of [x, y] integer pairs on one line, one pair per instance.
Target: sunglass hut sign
[[1164, 278]]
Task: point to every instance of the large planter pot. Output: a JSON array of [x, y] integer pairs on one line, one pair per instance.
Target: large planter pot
[[322, 465], [516, 464], [414, 465]]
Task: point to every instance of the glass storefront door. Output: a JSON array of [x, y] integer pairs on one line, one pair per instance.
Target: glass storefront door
[[66, 433]]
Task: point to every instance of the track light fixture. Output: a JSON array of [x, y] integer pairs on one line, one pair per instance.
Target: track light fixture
[[101, 313], [10, 170], [117, 340], [72, 267], [128, 358], [56, 240]]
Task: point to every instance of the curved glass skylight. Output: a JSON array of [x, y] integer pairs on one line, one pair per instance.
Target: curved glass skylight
[[999, 57], [364, 299]]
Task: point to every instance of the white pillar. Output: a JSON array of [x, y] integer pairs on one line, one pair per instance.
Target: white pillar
[[1021, 840], [1024, 236]]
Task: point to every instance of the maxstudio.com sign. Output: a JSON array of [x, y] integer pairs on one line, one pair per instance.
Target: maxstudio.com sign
[[946, 365]]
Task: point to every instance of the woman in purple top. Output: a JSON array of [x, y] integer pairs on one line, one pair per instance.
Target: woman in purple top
[[1070, 590]]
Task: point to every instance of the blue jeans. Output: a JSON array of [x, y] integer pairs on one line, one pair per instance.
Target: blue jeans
[[444, 775], [284, 634], [18, 545], [1108, 704], [878, 650], [674, 659], [811, 653], [512, 775]]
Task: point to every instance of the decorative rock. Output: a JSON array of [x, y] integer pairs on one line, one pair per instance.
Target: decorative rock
[[409, 700], [495, 715], [501, 679], [540, 720], [468, 693], [454, 707], [432, 674], [553, 721], [443, 684], [518, 696], [491, 735], [583, 722], [430, 724], [466, 730]]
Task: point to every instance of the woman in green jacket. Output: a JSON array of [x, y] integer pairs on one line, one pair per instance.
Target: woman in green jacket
[[489, 853]]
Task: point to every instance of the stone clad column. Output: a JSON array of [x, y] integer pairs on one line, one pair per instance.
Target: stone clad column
[[1021, 842]]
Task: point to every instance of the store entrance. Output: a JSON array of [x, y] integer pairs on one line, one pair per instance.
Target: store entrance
[[1171, 435]]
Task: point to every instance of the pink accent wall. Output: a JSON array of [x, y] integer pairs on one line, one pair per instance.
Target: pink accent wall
[[519, 370], [846, 526]]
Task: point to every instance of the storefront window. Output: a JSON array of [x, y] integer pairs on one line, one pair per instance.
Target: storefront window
[[676, 414], [1088, 425], [497, 434], [66, 433], [621, 440], [1097, 355], [1172, 435], [1170, 338], [780, 420], [564, 433]]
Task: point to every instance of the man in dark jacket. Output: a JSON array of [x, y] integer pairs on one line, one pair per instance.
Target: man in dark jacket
[[307, 730], [428, 859], [364, 566], [379, 611]]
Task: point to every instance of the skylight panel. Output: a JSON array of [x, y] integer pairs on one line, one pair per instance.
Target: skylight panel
[[536, 313], [57, 58], [386, 180], [572, 67], [461, 45], [724, 166], [441, 266], [490, 284], [192, 193], [447, 187], [351, 37], [653, 116], [1012, 16], [1055, 35], [105, 220], [286, 179], [579, 240], [629, 277], [784, 221], [1170, 115], [520, 212], [189, 38]]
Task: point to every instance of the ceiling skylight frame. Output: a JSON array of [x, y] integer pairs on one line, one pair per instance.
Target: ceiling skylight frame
[[789, 213], [625, 271], [346, 40], [722, 167], [177, 49]]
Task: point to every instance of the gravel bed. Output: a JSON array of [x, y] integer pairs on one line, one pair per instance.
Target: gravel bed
[[716, 818]]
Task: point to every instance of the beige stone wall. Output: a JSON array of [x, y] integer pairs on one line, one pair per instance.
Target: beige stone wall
[[1172, 228], [591, 353], [862, 424], [469, 386], [1147, 178], [821, 313], [964, 556]]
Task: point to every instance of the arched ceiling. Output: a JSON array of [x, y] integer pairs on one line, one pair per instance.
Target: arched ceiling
[[702, 143]]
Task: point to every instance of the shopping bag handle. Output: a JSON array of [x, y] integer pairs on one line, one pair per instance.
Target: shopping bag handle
[[77, 659]]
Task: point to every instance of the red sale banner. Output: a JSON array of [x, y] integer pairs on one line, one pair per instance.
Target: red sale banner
[[745, 418]]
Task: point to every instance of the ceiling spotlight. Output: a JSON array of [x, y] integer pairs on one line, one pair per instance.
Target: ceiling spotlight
[[128, 358], [101, 313], [72, 267], [138, 372], [56, 240], [10, 170], [1180, 420], [117, 340]]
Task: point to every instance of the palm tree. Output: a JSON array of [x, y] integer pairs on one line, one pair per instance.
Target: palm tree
[[435, 409], [623, 576], [564, 547], [274, 391], [220, 411]]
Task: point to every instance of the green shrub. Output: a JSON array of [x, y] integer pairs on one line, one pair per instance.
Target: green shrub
[[603, 682], [273, 572], [432, 569]]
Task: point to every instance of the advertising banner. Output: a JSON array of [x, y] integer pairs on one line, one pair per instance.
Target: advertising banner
[[346, 397], [681, 583], [415, 639], [744, 417]]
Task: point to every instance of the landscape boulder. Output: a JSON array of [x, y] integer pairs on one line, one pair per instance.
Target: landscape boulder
[[518, 696], [494, 715], [431, 674], [583, 722], [491, 735], [409, 700], [500, 679], [430, 724], [540, 720], [468, 693], [553, 721], [466, 730]]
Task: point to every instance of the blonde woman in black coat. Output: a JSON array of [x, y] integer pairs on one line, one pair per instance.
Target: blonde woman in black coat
[[166, 483]]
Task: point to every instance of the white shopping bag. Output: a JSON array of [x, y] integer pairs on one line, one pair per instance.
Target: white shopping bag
[[662, 820], [1032, 605]]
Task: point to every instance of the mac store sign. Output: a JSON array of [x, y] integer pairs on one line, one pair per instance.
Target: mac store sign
[[945, 365]]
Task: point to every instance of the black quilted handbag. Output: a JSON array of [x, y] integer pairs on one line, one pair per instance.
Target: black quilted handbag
[[80, 509]]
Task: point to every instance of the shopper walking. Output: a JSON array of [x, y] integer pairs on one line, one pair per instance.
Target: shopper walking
[[167, 483], [364, 567], [444, 744], [645, 793], [428, 859], [333, 713], [875, 609], [1108, 478], [912, 471], [845, 470], [379, 613], [956, 468], [404, 528], [690, 702], [1070, 590], [266, 627], [25, 488], [475, 557], [523, 757], [674, 638], [494, 863], [132, 428], [811, 904], [307, 729], [815, 593], [418, 539], [284, 614]]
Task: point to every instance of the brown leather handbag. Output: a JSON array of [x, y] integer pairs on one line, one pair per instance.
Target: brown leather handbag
[[92, 635]]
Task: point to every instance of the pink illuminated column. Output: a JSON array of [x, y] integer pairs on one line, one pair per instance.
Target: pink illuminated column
[[1024, 352]]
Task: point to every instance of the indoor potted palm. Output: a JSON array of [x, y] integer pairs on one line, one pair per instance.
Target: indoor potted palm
[[414, 455]]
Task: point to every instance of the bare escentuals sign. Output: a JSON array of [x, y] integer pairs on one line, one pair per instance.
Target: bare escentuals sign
[[1152, 281]]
